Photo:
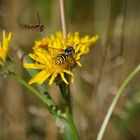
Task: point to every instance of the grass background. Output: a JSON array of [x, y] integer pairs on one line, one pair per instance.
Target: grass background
[[22, 116]]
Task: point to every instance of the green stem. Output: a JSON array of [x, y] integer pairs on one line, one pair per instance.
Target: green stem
[[48, 102], [114, 102], [65, 91], [70, 131]]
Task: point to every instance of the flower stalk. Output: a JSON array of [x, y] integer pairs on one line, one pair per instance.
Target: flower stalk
[[65, 89], [70, 131]]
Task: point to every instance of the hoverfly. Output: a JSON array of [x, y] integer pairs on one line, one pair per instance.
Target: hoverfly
[[61, 58], [35, 27]]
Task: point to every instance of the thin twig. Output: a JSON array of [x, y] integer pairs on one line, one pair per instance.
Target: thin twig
[[62, 13], [115, 100]]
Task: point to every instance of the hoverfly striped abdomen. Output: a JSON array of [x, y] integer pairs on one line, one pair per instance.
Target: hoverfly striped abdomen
[[61, 58]]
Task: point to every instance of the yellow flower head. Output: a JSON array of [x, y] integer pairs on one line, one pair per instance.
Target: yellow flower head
[[56, 55], [4, 47]]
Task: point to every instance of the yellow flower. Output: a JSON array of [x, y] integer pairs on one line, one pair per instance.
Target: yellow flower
[[4, 47], [50, 56]]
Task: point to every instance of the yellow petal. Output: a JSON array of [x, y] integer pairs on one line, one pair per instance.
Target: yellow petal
[[40, 57], [9, 36], [52, 78], [33, 66], [4, 36], [40, 77], [70, 73], [95, 38], [79, 64], [63, 78]]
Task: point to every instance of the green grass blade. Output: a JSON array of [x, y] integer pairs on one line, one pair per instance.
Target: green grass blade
[[115, 100]]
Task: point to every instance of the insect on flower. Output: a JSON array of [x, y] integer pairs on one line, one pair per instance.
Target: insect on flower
[[61, 58], [56, 56], [35, 27]]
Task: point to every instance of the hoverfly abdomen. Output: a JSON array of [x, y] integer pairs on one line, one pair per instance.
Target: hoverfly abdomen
[[60, 59]]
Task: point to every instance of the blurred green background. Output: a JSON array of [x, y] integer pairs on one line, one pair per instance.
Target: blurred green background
[[23, 117]]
